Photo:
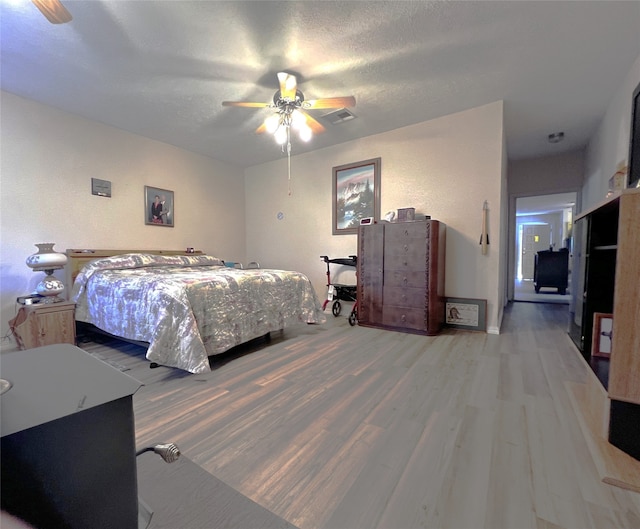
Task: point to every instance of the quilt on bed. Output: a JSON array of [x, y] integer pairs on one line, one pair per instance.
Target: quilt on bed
[[190, 307]]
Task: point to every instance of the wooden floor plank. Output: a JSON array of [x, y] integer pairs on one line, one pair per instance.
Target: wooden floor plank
[[333, 426]]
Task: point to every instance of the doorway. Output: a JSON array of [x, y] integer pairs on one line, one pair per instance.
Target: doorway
[[534, 237], [543, 222]]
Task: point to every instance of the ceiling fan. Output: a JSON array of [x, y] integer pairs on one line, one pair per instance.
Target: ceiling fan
[[290, 112], [290, 108], [54, 11]]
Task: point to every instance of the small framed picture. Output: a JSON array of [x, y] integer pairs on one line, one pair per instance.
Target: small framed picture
[[406, 214], [602, 334], [159, 207], [469, 314]]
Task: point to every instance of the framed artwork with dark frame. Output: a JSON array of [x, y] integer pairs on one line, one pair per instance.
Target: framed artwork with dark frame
[[159, 207], [356, 194], [634, 141], [469, 314]]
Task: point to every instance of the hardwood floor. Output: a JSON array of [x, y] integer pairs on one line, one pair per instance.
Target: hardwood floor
[[343, 427]]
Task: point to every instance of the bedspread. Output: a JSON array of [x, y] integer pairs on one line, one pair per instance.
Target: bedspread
[[190, 307]]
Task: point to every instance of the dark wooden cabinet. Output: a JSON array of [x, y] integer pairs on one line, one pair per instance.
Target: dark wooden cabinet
[[68, 440], [611, 268], [551, 269], [401, 276]]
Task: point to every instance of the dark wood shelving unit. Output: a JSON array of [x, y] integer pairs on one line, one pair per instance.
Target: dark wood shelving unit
[[611, 271]]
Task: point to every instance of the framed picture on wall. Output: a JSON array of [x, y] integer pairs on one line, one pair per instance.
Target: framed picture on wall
[[159, 207], [356, 194], [634, 140]]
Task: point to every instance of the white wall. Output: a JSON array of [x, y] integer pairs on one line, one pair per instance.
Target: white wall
[[610, 145], [445, 168], [547, 175], [48, 160]]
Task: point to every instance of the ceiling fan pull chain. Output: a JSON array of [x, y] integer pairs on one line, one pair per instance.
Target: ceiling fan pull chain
[[289, 159]]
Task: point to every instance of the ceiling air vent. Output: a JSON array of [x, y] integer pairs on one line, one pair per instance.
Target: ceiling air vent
[[339, 116]]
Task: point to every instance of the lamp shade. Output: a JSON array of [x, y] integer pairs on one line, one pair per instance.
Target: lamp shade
[[46, 258]]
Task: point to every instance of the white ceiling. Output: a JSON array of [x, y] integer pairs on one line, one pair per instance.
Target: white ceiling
[[543, 204], [162, 68]]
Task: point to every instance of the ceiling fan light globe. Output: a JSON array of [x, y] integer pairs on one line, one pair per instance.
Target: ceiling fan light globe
[[305, 132], [298, 120], [281, 136], [272, 123]]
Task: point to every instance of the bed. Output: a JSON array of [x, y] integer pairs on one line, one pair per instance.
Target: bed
[[187, 307]]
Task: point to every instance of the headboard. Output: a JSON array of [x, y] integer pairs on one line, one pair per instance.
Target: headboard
[[78, 258]]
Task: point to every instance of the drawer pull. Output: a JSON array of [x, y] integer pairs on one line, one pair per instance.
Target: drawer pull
[[406, 247], [403, 318]]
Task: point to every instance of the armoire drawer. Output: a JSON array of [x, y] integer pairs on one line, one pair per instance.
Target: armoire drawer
[[405, 278], [405, 297], [405, 317], [415, 232], [405, 257]]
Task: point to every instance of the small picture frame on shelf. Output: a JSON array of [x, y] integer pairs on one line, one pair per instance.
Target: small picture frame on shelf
[[601, 336], [406, 214]]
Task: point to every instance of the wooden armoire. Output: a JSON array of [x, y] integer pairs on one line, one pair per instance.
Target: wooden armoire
[[401, 269]]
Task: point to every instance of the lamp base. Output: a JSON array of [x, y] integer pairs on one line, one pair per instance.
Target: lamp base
[[51, 299], [50, 286]]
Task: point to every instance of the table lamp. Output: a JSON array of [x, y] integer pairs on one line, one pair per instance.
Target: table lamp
[[46, 260]]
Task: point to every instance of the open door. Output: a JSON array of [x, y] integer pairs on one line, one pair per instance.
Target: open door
[[535, 237]]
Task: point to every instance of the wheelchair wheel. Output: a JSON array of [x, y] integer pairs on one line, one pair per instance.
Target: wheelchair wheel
[[353, 318], [336, 308]]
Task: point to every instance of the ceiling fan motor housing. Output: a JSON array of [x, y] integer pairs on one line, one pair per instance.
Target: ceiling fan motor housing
[[279, 101]]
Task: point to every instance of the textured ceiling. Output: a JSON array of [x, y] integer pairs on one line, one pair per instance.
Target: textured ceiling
[[162, 68]]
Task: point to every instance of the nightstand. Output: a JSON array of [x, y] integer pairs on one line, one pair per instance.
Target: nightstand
[[44, 324]]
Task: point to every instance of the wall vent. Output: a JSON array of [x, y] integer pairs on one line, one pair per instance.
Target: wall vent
[[339, 116]]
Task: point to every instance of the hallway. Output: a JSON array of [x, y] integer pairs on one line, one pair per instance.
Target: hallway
[[524, 290]]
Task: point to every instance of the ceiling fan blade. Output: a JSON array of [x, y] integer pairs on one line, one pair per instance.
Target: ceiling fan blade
[[330, 102], [288, 85], [314, 124], [261, 129], [54, 11], [248, 104]]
